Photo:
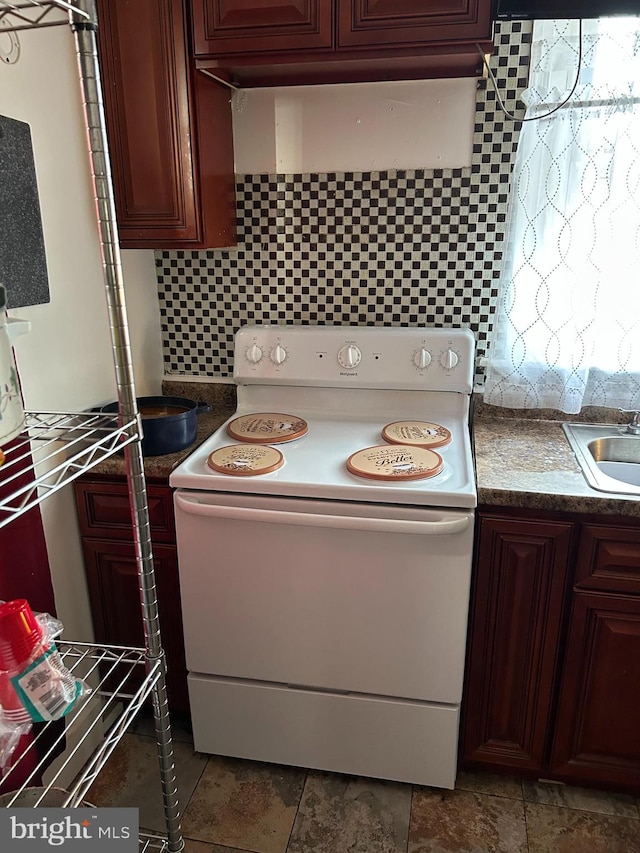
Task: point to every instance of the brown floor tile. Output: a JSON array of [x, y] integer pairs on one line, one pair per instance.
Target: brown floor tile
[[202, 847], [556, 830], [585, 799], [347, 813], [244, 804], [465, 822], [489, 783], [131, 778]]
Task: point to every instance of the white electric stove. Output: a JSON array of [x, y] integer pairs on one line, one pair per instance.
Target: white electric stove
[[324, 544]]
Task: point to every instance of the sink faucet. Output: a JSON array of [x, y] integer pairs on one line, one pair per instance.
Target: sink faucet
[[633, 426]]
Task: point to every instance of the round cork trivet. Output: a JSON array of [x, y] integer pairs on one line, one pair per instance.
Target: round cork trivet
[[395, 462], [267, 428], [418, 433], [245, 460]]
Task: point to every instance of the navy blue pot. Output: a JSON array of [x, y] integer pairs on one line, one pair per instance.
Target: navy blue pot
[[165, 431]]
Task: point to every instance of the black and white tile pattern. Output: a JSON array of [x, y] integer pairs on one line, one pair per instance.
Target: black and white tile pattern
[[418, 247]]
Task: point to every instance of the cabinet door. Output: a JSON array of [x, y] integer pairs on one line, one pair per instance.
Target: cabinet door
[[115, 605], [597, 731], [104, 510], [155, 132], [223, 27], [519, 587], [609, 558], [366, 23]]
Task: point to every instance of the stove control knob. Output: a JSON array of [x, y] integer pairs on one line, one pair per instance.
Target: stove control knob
[[349, 356], [422, 358], [449, 359], [278, 354], [254, 354]]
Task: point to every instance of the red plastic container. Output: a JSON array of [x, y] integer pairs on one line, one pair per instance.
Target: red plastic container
[[20, 635], [20, 642]]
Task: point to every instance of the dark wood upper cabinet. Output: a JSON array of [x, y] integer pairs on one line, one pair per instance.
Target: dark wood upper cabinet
[[362, 23], [339, 41], [238, 26], [169, 130]]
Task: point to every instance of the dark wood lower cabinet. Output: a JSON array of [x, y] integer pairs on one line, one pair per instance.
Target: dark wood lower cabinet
[[110, 565], [552, 685], [115, 605], [597, 732], [520, 581]]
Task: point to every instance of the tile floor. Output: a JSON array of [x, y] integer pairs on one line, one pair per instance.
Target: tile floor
[[233, 806]]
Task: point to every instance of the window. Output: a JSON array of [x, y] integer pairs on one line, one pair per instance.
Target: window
[[567, 326]]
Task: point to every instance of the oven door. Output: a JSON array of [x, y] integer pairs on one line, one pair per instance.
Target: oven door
[[325, 595]]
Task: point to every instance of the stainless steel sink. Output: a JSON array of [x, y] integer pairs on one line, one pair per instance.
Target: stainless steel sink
[[608, 456]]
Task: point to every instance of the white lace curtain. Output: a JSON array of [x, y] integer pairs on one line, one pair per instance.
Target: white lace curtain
[[567, 327]]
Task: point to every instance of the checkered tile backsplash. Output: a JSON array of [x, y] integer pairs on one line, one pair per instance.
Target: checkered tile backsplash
[[419, 247]]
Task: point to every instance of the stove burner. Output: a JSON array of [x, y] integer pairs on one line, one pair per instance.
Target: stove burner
[[269, 428], [416, 433], [396, 462], [245, 460]]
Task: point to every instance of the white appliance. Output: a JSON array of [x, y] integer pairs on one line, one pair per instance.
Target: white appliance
[[325, 613]]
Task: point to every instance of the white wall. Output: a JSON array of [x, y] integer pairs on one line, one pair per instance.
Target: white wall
[[359, 127], [65, 363]]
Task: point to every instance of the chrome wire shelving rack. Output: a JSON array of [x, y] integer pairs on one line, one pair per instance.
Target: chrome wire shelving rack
[[56, 448]]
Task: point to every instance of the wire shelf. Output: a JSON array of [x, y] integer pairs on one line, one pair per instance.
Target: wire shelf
[[56, 449], [18, 15], [152, 844], [109, 671]]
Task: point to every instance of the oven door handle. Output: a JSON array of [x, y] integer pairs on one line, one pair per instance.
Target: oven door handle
[[439, 527]]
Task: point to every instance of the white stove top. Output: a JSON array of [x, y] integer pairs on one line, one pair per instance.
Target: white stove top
[[348, 384], [315, 464]]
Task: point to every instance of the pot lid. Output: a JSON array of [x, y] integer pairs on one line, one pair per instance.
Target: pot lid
[[395, 462], [245, 460], [417, 433], [267, 428]]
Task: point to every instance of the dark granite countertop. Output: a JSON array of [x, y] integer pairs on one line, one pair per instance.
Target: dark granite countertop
[[522, 458]]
